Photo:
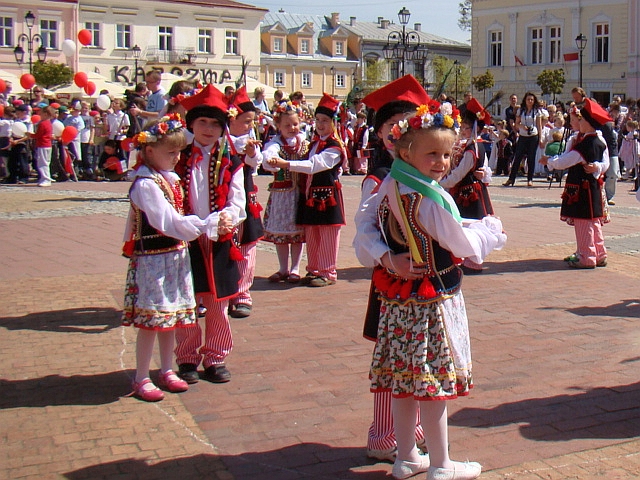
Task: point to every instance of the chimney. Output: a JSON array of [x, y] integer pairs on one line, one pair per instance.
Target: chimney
[[335, 19], [352, 21], [417, 27], [384, 24], [380, 20]]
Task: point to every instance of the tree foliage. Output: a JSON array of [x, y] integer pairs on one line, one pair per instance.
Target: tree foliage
[[464, 9], [445, 76], [50, 74], [483, 82], [551, 82]]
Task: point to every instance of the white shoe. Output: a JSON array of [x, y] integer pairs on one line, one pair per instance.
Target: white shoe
[[403, 469], [44, 184], [385, 455], [460, 471]]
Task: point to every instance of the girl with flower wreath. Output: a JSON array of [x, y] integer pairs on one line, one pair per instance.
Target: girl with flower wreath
[[280, 225], [156, 243], [422, 353]]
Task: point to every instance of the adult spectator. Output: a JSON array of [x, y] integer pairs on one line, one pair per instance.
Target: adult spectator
[[463, 108], [510, 114], [229, 92], [156, 100], [260, 102]]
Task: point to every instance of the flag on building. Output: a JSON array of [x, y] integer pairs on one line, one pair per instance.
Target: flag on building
[[518, 60], [570, 56]]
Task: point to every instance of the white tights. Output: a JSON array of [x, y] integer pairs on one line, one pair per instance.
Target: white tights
[[144, 351], [283, 257]]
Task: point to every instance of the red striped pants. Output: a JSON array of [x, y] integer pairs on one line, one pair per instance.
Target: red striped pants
[[590, 240], [322, 250], [217, 336], [381, 434], [247, 268]]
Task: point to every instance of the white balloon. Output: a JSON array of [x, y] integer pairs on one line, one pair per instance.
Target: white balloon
[[18, 129], [103, 102], [68, 47], [57, 128]]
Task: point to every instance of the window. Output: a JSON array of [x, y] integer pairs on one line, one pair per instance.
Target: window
[[165, 38], [305, 79], [601, 42], [277, 45], [205, 40], [49, 33], [6, 32], [231, 43], [536, 46], [123, 36], [304, 47], [94, 28], [555, 45], [495, 49], [341, 80], [278, 79], [340, 48]]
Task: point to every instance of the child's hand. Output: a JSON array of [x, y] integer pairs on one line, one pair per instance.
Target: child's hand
[[590, 168], [544, 160], [479, 174], [401, 264], [225, 224], [251, 148], [278, 162]]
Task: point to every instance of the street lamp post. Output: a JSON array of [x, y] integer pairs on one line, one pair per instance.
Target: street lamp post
[[404, 45], [135, 52], [581, 43], [23, 38], [456, 65], [333, 81]]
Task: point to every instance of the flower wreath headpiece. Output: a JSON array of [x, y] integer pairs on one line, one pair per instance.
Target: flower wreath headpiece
[[170, 123], [288, 107], [433, 114], [181, 96]]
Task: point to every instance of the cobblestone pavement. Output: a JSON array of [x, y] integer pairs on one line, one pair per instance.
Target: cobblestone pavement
[[555, 356]]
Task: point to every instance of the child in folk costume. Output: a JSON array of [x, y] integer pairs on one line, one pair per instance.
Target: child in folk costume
[[583, 201], [422, 353], [242, 116], [467, 181], [214, 184], [156, 242], [321, 209], [503, 151], [630, 148], [280, 225], [391, 103], [359, 144]]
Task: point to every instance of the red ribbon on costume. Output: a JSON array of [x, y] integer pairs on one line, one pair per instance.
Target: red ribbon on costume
[[196, 156]]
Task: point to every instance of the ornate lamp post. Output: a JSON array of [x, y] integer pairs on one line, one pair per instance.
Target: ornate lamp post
[[29, 39], [404, 45], [135, 52], [456, 65], [581, 43]]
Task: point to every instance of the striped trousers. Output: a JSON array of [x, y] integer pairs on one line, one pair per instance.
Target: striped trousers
[[247, 267], [322, 250], [217, 335], [381, 434], [590, 240]]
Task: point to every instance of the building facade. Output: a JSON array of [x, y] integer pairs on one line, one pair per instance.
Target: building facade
[[516, 40]]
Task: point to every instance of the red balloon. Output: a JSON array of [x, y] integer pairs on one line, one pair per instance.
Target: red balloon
[[84, 37], [1, 110], [127, 144], [27, 81], [35, 119], [55, 105], [90, 88], [3, 86], [69, 134], [80, 79]]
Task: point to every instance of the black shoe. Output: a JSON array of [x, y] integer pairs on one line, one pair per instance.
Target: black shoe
[[241, 310], [306, 280], [217, 374], [188, 372]]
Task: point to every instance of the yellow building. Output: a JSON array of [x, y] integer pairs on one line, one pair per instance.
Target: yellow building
[[515, 40]]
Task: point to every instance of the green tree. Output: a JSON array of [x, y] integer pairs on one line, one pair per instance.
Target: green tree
[[450, 78], [50, 74], [551, 81], [464, 9], [482, 83]]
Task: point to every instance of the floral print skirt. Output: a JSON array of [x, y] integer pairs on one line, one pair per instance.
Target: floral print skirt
[[159, 291], [423, 350]]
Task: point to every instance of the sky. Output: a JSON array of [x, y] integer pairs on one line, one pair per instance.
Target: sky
[[444, 24]]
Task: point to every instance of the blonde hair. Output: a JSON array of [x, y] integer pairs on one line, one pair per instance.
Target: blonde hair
[[169, 140], [632, 124]]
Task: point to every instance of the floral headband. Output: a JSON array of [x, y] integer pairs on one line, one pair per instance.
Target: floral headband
[[434, 114], [170, 123], [181, 96], [287, 108]]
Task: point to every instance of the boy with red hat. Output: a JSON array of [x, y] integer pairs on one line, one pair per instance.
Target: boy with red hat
[[242, 115], [583, 201], [321, 208], [214, 185]]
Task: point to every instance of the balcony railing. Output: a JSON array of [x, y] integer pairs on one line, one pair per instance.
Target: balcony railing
[[173, 56]]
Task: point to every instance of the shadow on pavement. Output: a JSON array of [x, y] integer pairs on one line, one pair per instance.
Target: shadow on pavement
[[602, 412], [349, 274], [83, 320], [56, 390], [296, 462], [520, 266], [626, 308]]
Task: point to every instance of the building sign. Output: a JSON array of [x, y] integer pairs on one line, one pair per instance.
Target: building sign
[[202, 75]]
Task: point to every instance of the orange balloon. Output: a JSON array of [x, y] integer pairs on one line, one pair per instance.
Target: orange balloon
[[69, 134], [27, 81], [80, 79], [90, 88], [35, 119], [84, 36]]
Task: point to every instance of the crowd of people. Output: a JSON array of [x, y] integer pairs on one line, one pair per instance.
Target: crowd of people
[[425, 219]]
